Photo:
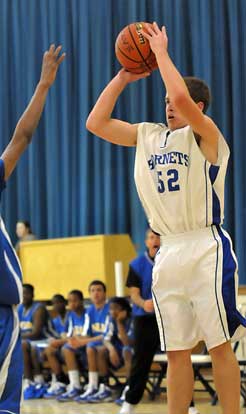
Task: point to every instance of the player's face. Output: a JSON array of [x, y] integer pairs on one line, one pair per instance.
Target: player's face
[[27, 297], [58, 306], [174, 119], [152, 243], [97, 294], [74, 303], [114, 310]]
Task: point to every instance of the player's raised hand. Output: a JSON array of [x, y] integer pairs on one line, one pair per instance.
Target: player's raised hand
[[157, 38], [51, 62], [129, 77]]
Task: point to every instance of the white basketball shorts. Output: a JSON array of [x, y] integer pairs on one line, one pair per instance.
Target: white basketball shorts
[[195, 287]]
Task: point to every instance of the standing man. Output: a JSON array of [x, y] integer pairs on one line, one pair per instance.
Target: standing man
[[11, 365], [146, 335], [180, 174]]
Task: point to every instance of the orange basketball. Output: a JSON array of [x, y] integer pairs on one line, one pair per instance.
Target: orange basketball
[[133, 50]]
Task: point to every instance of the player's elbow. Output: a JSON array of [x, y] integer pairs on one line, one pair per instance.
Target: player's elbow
[[92, 124]]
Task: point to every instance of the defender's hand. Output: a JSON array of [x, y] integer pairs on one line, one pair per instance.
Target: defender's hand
[[51, 62]]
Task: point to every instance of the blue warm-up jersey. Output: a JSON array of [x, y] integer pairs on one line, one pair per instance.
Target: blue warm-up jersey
[[76, 324], [96, 320]]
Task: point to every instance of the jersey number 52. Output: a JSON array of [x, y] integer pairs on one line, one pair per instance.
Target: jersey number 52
[[171, 179]]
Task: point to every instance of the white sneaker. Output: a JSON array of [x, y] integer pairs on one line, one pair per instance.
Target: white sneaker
[[55, 389], [126, 408], [104, 394], [193, 410]]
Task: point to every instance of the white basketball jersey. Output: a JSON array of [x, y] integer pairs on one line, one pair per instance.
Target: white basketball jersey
[[180, 190]]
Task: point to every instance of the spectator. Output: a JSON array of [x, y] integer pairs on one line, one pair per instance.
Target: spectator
[[24, 233]]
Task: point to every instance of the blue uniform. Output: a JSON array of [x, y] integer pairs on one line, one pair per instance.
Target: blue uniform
[[140, 275], [11, 364], [95, 323], [75, 324], [61, 325], [26, 317], [111, 335], [75, 327]]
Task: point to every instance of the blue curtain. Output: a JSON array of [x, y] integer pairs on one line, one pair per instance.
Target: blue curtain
[[70, 183]]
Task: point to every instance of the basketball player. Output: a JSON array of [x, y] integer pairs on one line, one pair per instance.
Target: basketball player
[[180, 172], [11, 366]]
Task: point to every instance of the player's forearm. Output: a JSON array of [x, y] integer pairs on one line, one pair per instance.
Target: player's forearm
[[105, 104], [31, 335], [87, 339], [137, 299], [122, 334], [30, 118], [174, 83]]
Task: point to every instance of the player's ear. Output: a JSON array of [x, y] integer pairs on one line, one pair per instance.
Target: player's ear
[[200, 105]]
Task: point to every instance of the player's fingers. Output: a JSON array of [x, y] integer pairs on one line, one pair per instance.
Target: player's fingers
[[156, 28], [52, 48], [144, 75], [61, 58], [151, 30], [57, 51], [145, 34], [164, 31]]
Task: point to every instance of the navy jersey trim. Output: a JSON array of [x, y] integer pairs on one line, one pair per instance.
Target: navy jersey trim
[[206, 189], [215, 282], [234, 318], [162, 323]]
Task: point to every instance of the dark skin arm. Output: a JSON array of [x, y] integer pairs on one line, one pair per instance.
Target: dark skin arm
[[29, 120], [122, 334]]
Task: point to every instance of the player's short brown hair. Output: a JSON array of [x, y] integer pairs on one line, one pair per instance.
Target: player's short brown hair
[[199, 91]]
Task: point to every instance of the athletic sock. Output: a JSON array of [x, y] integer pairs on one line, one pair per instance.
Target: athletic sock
[[74, 378], [39, 379], [93, 379]]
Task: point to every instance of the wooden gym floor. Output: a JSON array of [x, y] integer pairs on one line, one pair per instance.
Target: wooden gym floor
[[146, 407]]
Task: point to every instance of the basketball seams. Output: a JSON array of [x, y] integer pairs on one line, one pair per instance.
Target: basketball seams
[[133, 39], [133, 52], [126, 56]]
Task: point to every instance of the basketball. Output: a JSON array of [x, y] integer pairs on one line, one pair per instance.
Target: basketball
[[133, 50]]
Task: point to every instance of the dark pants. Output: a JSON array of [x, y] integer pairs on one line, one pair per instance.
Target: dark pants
[[146, 344]]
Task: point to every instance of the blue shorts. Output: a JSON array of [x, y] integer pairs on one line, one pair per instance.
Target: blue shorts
[[94, 344], [11, 363]]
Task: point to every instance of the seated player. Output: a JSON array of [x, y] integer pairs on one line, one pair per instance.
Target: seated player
[[118, 337], [60, 321], [71, 357], [96, 320], [35, 327]]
